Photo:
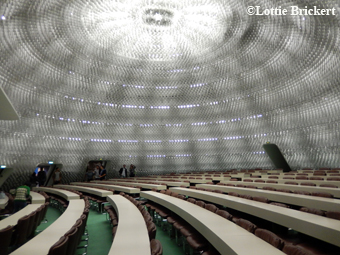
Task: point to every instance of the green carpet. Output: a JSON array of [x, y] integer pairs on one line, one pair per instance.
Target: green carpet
[[169, 246], [51, 215]]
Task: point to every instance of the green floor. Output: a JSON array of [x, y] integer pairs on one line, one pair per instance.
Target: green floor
[[100, 234]]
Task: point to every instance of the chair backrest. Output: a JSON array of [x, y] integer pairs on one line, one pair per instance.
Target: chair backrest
[[269, 188], [246, 196], [156, 247], [307, 184], [290, 249], [200, 203], [328, 186], [151, 229], [211, 207], [259, 181], [333, 214], [279, 204], [73, 238], [233, 194], [302, 192], [5, 239], [224, 214], [284, 190], [322, 194], [271, 181], [312, 210], [247, 225], [21, 232], [168, 192], [270, 238], [273, 177], [60, 247], [191, 200], [292, 183], [261, 199]]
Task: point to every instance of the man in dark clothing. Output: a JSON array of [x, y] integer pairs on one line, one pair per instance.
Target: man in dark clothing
[[123, 172], [41, 177], [102, 174]]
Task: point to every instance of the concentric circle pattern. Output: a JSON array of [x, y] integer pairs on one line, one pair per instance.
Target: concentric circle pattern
[[170, 85]]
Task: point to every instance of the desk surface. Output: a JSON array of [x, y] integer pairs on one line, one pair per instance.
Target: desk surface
[[37, 198], [316, 182], [68, 195], [132, 235], [320, 227], [40, 244], [94, 191], [322, 203], [13, 219], [224, 235], [129, 190], [143, 185], [334, 192]]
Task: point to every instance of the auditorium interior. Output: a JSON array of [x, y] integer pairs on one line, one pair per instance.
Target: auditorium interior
[[224, 113]]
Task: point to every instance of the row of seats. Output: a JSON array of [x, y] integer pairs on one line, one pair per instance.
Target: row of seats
[[302, 177], [185, 234], [68, 243], [329, 214], [282, 242], [12, 237]]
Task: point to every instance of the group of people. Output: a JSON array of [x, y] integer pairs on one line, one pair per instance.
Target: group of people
[[98, 173], [123, 173]]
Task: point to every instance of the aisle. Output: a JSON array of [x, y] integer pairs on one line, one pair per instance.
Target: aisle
[[169, 246], [100, 234]]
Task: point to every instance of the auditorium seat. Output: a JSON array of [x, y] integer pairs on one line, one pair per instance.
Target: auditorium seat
[[269, 188], [270, 238], [246, 196], [247, 225], [60, 247], [308, 184], [333, 214], [230, 185], [261, 199], [191, 200], [248, 180], [302, 192], [273, 177], [21, 232], [328, 186], [322, 194], [333, 179], [279, 204], [290, 249], [233, 194], [5, 239], [284, 190], [271, 181], [312, 210], [292, 183], [211, 207], [156, 247], [200, 203], [197, 243], [315, 178], [224, 214], [250, 187], [299, 177]]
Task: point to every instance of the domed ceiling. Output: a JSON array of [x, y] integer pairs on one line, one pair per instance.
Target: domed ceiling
[[170, 85]]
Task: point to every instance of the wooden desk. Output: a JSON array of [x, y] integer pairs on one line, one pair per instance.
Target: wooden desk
[[40, 244], [68, 195], [128, 190], [132, 235], [318, 183], [37, 198], [224, 235], [322, 203], [94, 191], [334, 192], [160, 181], [13, 219], [143, 185], [320, 227]]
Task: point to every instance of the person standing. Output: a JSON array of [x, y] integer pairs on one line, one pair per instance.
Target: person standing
[[102, 174], [123, 172], [41, 177], [97, 173], [132, 170], [57, 176], [21, 195]]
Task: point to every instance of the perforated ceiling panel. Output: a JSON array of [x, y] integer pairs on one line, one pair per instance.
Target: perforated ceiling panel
[[170, 85]]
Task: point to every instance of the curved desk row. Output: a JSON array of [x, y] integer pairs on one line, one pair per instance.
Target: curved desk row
[[68, 195], [334, 192], [13, 219], [224, 235], [320, 227], [128, 190], [322, 203], [316, 182], [168, 183], [37, 198], [40, 244], [142, 185], [132, 235], [94, 191]]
